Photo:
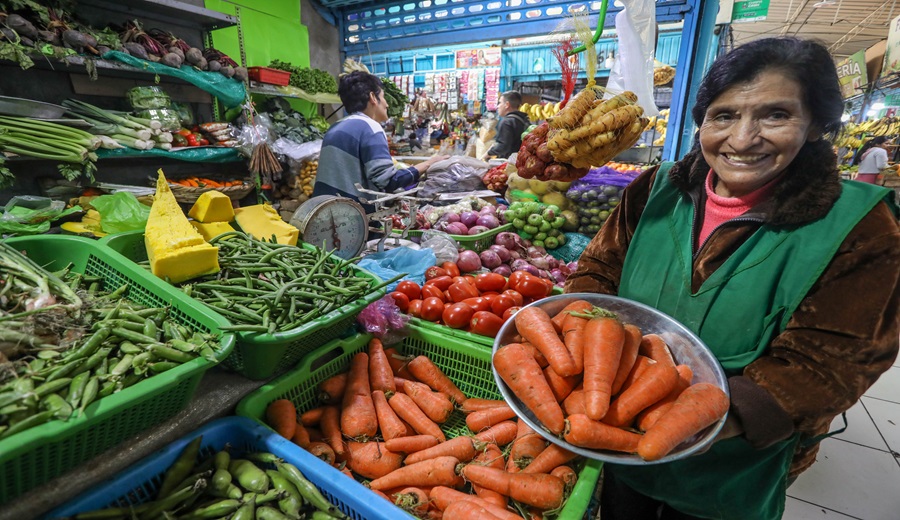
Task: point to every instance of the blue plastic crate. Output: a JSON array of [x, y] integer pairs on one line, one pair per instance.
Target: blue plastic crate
[[140, 483]]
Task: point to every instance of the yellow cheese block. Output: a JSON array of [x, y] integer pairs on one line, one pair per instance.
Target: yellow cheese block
[[212, 206], [176, 250], [210, 230], [262, 221]]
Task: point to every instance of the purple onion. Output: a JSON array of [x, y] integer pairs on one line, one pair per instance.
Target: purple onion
[[503, 269], [477, 230], [468, 261], [490, 259], [468, 218], [488, 221], [502, 252], [456, 228]]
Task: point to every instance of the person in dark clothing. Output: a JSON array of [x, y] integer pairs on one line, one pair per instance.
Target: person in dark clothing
[[510, 128]]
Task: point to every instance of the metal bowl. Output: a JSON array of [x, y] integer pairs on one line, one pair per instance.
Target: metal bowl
[[11, 106], [686, 348]]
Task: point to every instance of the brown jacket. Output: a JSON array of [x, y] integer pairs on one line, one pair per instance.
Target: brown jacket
[[840, 339]]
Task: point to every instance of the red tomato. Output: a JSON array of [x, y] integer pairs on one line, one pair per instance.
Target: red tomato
[[479, 304], [441, 282], [447, 297], [415, 308], [410, 289], [461, 291], [490, 282], [433, 272], [451, 268], [486, 323], [533, 287], [469, 278], [516, 277], [516, 296], [457, 279], [510, 312], [401, 299], [489, 296], [457, 315], [432, 309], [501, 303], [432, 291]]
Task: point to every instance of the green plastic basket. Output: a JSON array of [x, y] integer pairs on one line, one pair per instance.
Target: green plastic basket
[[260, 356], [39, 454], [467, 365], [477, 243]]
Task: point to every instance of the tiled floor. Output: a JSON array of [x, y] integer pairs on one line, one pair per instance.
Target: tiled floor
[[857, 475]]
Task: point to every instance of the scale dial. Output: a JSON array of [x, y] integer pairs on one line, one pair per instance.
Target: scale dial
[[338, 222]]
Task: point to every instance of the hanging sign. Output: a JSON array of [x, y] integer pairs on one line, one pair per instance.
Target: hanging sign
[[852, 74], [749, 11], [892, 52], [472, 58]]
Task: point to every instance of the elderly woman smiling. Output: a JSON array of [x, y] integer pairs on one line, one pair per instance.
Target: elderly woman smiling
[[787, 273]]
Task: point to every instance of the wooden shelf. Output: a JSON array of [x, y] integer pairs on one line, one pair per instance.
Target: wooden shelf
[[180, 13]]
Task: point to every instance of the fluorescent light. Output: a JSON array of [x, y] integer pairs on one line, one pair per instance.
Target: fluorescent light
[[845, 118], [877, 106], [872, 112], [824, 3]]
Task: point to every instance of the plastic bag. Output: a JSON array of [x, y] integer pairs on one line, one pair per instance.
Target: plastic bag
[[457, 174], [444, 247], [536, 190], [120, 212], [22, 220], [596, 195], [298, 152], [390, 263], [384, 320], [636, 28]]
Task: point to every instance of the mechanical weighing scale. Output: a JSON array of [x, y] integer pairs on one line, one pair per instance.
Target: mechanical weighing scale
[[342, 225]]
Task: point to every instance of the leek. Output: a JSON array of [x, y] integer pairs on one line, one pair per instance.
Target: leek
[[109, 143], [164, 137], [131, 142], [149, 123], [85, 109], [46, 130]]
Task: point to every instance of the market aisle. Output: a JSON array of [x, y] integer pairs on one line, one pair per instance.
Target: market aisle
[[857, 475]]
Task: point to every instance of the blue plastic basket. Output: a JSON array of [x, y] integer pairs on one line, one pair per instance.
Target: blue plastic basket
[[140, 483]]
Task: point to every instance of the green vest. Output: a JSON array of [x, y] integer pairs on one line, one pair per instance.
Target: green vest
[[736, 312]]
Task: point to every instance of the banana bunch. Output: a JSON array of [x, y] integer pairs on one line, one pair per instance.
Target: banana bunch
[[591, 131], [663, 74], [881, 127], [351, 65], [540, 112]]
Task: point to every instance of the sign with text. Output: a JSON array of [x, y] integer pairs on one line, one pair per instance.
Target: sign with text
[[472, 58], [749, 11], [852, 74], [892, 52]]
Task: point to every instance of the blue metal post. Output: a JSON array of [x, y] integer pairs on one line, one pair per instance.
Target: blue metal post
[[699, 42]]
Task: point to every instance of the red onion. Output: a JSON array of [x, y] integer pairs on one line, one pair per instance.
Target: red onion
[[523, 265], [488, 210], [502, 252], [476, 230], [468, 218], [558, 276], [468, 261], [490, 259], [503, 269], [488, 221], [456, 228], [450, 217], [510, 241]]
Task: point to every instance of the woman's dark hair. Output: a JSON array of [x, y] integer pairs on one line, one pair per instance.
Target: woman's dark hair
[[807, 62], [875, 141], [354, 90]]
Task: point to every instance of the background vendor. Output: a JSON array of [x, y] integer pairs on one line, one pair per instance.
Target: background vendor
[[510, 127]]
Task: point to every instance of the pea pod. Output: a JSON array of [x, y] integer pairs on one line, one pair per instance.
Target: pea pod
[[222, 459], [108, 389], [216, 510], [130, 335], [64, 370], [307, 490], [113, 512], [172, 354], [150, 329], [264, 498], [220, 482], [127, 347], [122, 366], [249, 476], [322, 515], [246, 511], [270, 513], [162, 366], [181, 468], [52, 386], [91, 390], [61, 409], [292, 501], [91, 345], [35, 420], [172, 500], [183, 346], [93, 362]]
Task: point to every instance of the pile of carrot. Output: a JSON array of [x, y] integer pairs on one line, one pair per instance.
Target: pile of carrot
[[601, 384], [381, 423], [203, 182]]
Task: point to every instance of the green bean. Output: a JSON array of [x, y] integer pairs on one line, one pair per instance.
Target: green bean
[[171, 354]]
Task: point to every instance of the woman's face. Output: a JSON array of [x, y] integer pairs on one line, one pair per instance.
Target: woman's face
[[752, 131]]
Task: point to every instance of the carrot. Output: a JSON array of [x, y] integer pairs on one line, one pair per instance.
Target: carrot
[[312, 417], [567, 475], [604, 337], [582, 431], [411, 443], [440, 471], [542, 361], [491, 457], [443, 497], [535, 489], [399, 382], [522, 373], [462, 448], [301, 436], [629, 356], [641, 364], [652, 413], [346, 471], [573, 338], [372, 459], [561, 316], [535, 326], [412, 499], [525, 448], [474, 404], [331, 430], [382, 495], [656, 383], [322, 451], [575, 402], [551, 457], [409, 411], [656, 349], [358, 418], [427, 372], [381, 377], [331, 391], [390, 425], [315, 434], [699, 406], [281, 415], [436, 405], [467, 510], [477, 421], [499, 434], [398, 363], [561, 386]]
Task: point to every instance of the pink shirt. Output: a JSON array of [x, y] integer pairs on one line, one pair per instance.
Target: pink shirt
[[720, 209]]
